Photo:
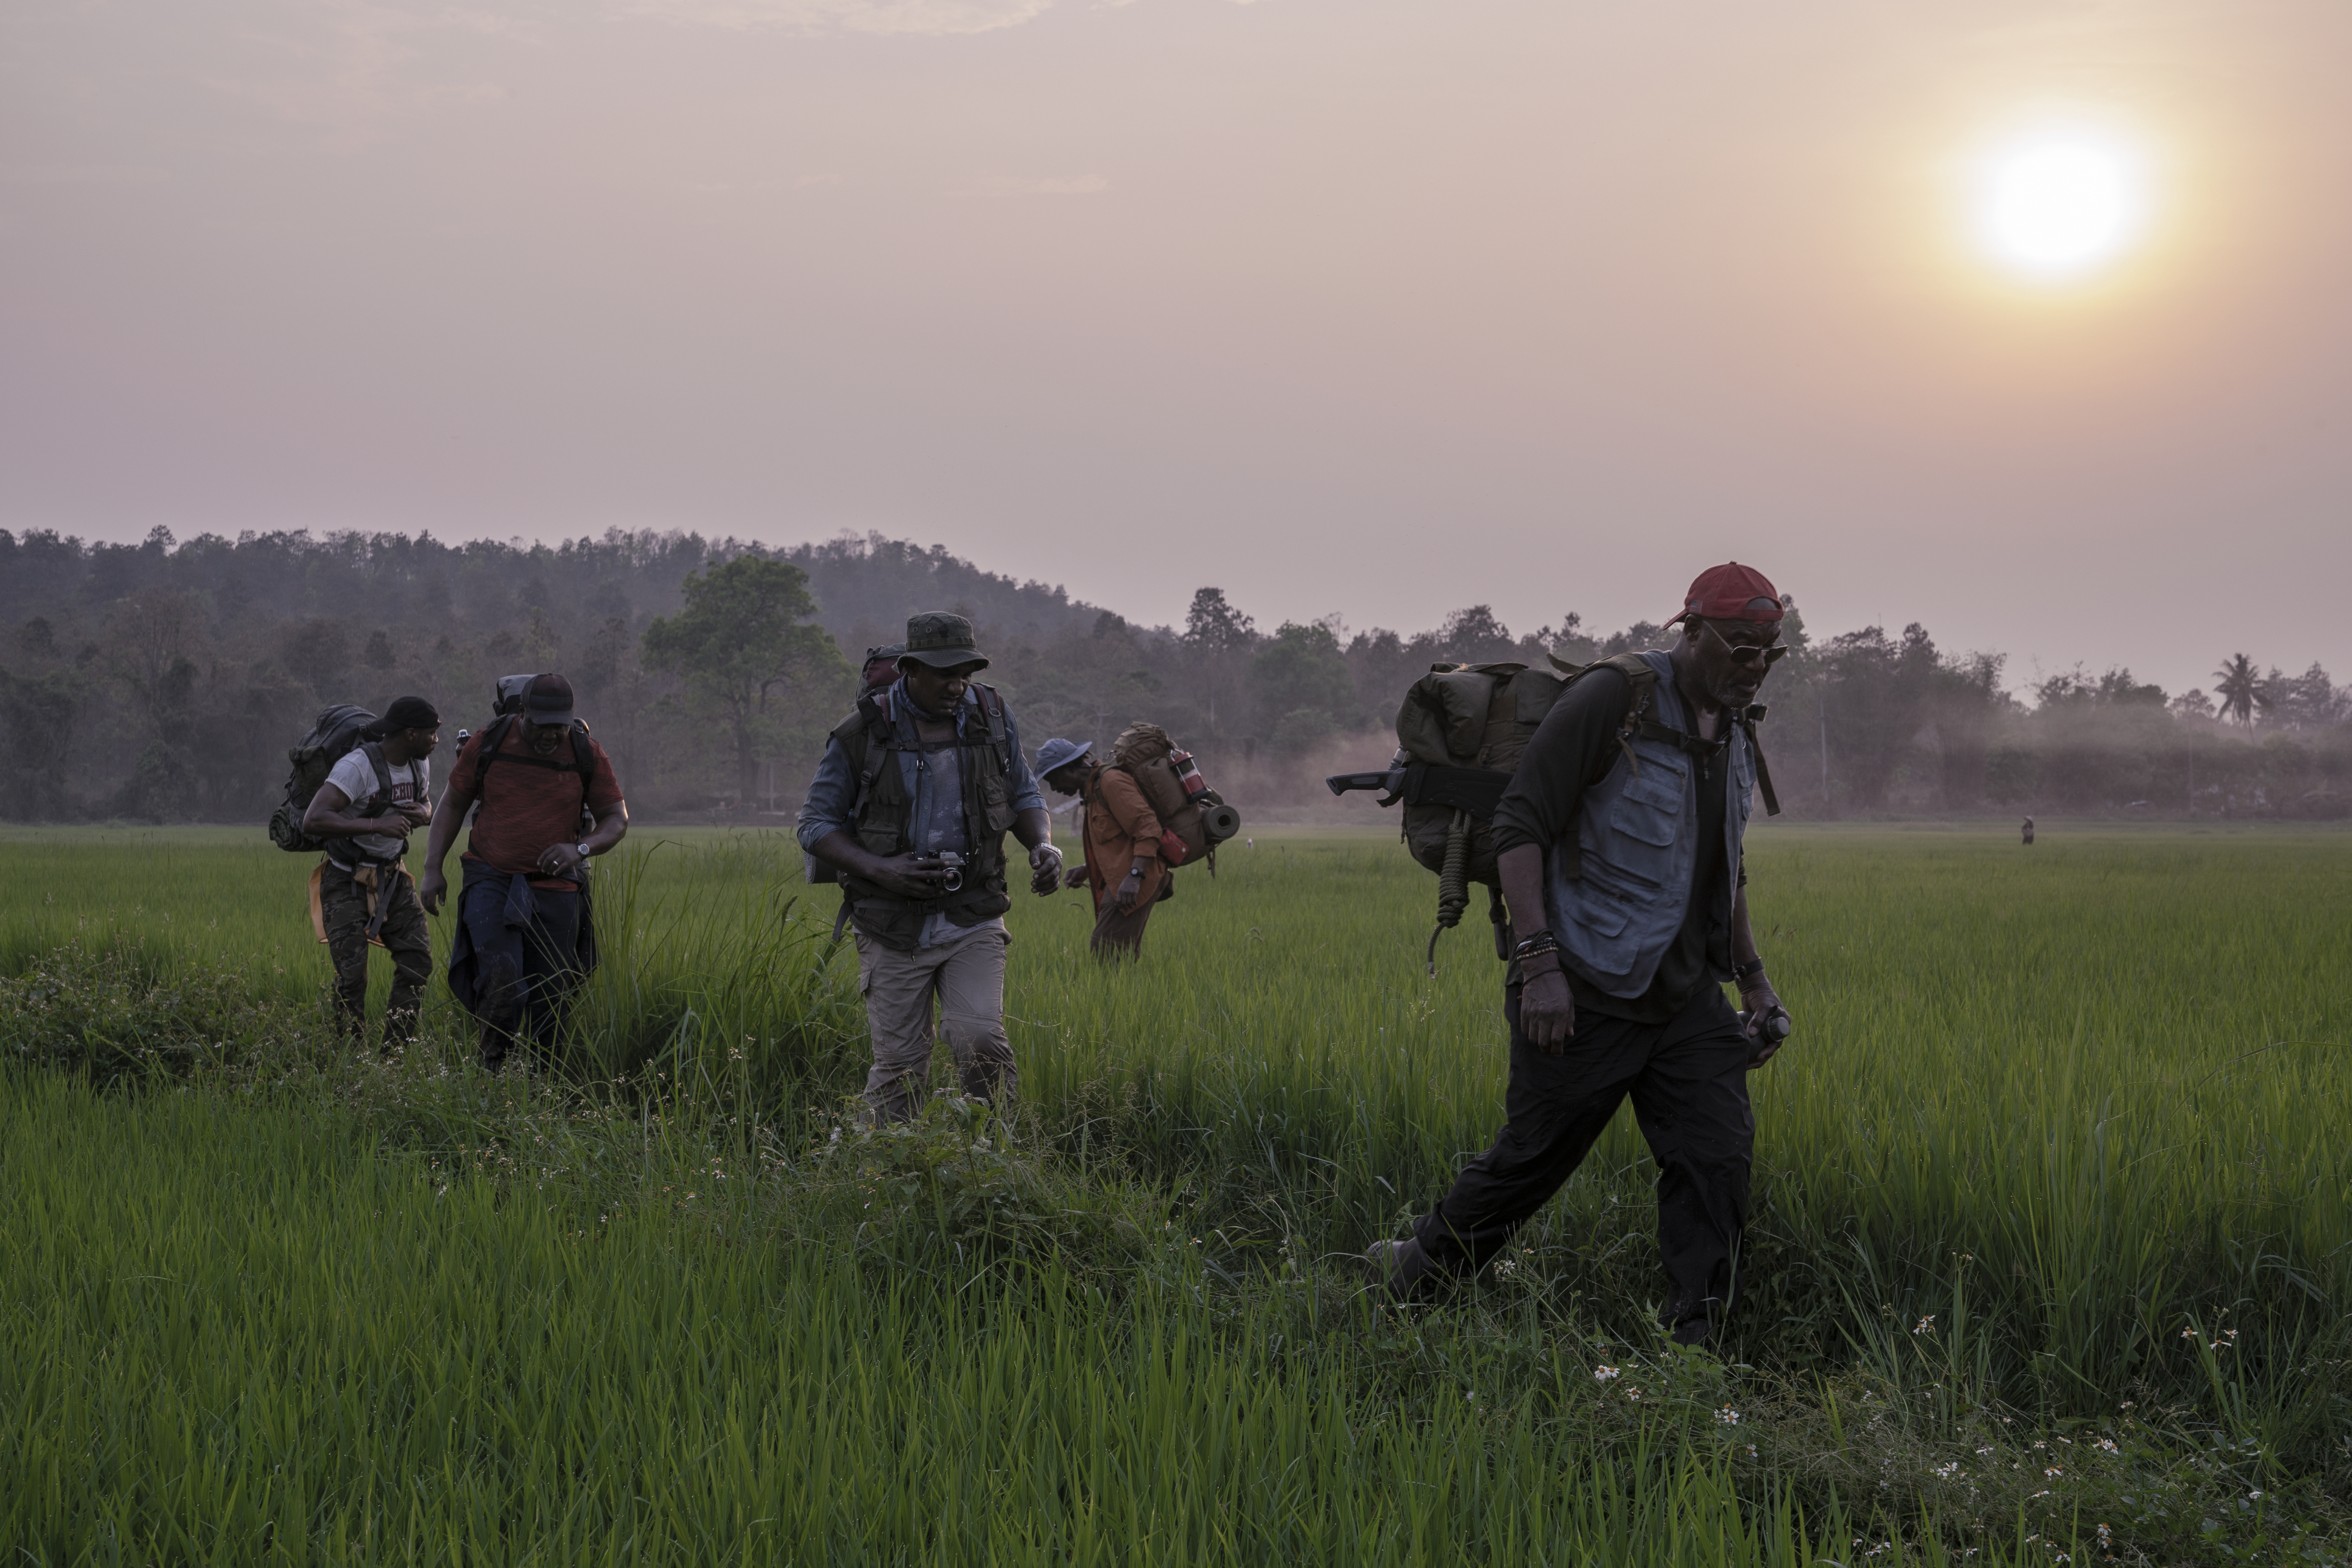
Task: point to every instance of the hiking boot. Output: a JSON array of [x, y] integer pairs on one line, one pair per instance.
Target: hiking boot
[[1694, 1331], [1401, 1268], [1690, 1320]]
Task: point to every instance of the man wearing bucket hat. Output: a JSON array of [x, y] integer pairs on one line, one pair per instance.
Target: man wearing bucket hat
[[1620, 847], [911, 804], [1122, 838]]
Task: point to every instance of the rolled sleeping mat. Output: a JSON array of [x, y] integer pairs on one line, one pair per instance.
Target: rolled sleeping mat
[[1220, 822]]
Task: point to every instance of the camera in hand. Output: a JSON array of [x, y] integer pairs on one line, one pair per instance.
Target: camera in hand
[[954, 862]]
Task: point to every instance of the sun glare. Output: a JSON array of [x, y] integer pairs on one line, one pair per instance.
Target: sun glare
[[2060, 207]]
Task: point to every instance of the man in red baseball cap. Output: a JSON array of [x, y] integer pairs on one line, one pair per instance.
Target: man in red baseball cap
[[1619, 842]]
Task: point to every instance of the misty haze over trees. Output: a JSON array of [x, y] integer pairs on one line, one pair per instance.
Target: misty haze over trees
[[164, 681]]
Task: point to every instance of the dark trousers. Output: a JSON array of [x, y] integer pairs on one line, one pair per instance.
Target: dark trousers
[[343, 915], [1688, 1080], [525, 952]]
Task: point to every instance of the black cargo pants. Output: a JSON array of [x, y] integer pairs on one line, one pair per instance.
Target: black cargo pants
[[1688, 1080]]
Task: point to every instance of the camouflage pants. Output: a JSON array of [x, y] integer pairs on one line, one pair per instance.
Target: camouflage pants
[[343, 912]]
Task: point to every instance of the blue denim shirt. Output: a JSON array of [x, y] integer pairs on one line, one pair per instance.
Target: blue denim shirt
[[833, 794]]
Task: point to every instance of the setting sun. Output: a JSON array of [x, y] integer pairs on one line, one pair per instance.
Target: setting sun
[[2060, 205]]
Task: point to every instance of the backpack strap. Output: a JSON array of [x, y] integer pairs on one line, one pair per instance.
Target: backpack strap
[[1639, 725], [494, 741], [374, 751], [1644, 682], [991, 708], [868, 736], [1747, 721]]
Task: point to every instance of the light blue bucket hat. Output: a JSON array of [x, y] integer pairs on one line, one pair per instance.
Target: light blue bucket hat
[[1057, 753]]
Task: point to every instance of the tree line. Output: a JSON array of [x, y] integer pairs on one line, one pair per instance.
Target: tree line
[[165, 680]]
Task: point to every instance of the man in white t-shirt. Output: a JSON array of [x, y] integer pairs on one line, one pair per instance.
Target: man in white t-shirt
[[373, 800]]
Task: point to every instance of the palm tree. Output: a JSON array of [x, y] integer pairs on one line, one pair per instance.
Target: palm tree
[[2239, 688]]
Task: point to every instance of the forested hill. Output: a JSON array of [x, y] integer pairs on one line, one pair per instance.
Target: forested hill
[[480, 589], [164, 681]]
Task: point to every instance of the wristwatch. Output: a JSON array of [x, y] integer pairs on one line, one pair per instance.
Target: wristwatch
[[583, 850]]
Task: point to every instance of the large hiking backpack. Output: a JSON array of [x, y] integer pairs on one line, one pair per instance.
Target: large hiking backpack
[[332, 735], [1194, 819], [1460, 732]]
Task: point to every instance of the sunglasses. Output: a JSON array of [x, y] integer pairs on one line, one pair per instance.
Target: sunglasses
[[1750, 655]]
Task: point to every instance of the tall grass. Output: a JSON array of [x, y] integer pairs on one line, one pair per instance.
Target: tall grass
[[2053, 1153], [250, 1337]]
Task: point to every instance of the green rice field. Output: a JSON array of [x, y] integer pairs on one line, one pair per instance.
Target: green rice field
[[2050, 1258]]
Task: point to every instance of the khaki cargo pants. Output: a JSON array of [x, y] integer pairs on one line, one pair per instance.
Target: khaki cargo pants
[[966, 976]]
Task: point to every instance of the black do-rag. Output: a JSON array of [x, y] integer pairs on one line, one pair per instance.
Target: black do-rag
[[411, 713]]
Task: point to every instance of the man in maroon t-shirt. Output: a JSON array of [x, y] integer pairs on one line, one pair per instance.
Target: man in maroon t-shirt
[[524, 936]]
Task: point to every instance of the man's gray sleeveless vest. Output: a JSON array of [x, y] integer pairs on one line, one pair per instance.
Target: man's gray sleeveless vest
[[1638, 831]]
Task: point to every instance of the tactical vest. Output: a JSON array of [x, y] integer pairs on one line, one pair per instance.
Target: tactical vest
[[1637, 833], [882, 816]]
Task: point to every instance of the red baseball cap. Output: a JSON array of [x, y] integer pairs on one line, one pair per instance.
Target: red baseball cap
[[1732, 592]]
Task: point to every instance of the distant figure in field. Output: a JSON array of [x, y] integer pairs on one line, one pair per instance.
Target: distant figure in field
[[374, 798], [1628, 911], [526, 936], [911, 803], [2029, 830], [1122, 840]]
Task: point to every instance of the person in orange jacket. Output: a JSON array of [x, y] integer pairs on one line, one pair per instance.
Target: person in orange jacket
[[1123, 841]]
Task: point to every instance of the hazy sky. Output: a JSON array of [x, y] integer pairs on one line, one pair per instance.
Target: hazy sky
[[1344, 305]]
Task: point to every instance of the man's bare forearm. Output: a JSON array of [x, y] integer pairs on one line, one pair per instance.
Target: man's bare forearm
[[840, 850], [1032, 828], [611, 829], [1743, 938], [446, 817]]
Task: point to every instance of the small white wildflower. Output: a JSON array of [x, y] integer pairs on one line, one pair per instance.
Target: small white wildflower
[[1926, 1325], [1945, 1472], [2052, 1472], [1728, 1416], [2108, 1445], [1603, 1373]]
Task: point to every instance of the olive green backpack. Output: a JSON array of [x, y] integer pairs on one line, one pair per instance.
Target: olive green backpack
[[1459, 735]]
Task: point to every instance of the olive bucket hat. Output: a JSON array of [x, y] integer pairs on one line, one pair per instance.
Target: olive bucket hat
[[942, 641]]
